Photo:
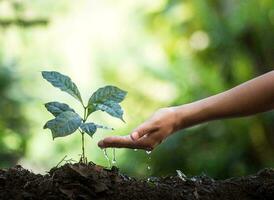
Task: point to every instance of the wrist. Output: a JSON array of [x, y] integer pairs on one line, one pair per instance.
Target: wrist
[[190, 114]]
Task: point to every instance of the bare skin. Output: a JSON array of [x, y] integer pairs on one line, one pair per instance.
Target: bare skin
[[249, 98]]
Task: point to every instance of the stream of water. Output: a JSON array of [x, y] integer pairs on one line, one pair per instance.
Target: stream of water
[[113, 156], [106, 156]]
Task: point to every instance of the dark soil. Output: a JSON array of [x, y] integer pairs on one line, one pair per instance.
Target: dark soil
[[79, 181]]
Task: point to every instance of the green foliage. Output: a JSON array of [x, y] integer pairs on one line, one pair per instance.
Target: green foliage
[[14, 127], [239, 48], [57, 108], [64, 124], [89, 128], [107, 99], [165, 51], [238, 45], [62, 82], [67, 121]]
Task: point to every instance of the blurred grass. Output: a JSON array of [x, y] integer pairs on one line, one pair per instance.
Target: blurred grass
[[164, 52]]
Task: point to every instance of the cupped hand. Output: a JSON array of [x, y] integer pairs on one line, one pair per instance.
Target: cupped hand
[[148, 135]]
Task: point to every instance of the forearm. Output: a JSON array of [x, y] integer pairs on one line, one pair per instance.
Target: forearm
[[254, 96]]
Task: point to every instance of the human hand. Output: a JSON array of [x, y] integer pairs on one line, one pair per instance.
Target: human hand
[[149, 134]]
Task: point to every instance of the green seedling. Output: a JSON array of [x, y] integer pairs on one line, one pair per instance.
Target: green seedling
[[67, 121]]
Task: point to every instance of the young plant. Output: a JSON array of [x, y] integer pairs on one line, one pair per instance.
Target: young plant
[[67, 121]]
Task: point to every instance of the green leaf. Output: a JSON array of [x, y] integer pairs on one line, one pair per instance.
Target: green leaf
[[108, 93], [64, 124], [89, 128], [107, 99], [62, 82], [112, 108], [57, 108]]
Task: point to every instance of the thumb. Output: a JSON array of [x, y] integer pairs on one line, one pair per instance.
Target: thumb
[[140, 131]]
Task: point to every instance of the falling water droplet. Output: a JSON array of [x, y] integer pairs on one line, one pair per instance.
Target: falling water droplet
[[114, 156], [106, 156], [149, 158]]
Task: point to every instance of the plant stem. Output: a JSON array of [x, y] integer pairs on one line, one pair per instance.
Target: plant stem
[[83, 157], [85, 114], [83, 147]]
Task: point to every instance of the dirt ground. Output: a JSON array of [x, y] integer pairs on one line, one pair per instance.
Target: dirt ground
[[81, 182]]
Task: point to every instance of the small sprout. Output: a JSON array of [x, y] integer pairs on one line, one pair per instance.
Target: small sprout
[[67, 121]]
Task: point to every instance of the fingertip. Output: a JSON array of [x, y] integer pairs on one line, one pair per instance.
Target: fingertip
[[134, 136], [101, 144], [106, 142]]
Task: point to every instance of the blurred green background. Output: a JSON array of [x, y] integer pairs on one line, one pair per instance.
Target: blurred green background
[[163, 52]]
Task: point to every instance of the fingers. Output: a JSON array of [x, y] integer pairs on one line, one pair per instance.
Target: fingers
[[135, 135], [143, 130], [126, 142], [143, 137], [115, 141]]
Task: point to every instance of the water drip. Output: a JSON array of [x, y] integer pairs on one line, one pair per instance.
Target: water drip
[[106, 156], [149, 158], [148, 152], [114, 157]]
